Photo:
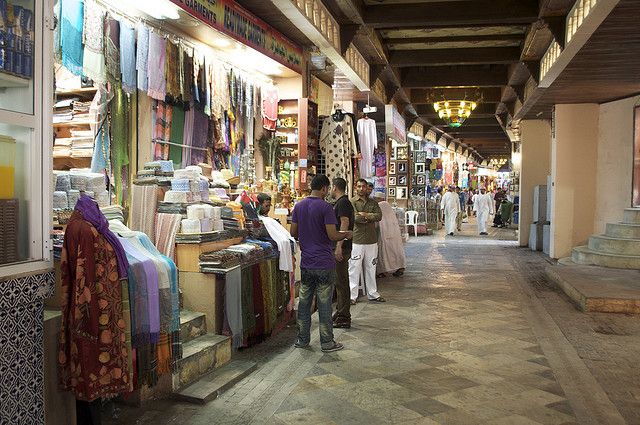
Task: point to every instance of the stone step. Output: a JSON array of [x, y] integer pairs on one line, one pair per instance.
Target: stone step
[[210, 386], [631, 216], [623, 230], [200, 356], [619, 246], [584, 255], [193, 324], [566, 261]]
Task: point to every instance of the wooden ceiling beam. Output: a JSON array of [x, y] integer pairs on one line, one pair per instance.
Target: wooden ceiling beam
[[489, 95], [452, 39], [459, 76], [463, 135], [486, 12], [484, 110], [470, 56], [479, 122]]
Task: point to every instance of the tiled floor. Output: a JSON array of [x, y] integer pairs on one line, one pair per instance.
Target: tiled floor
[[454, 344]]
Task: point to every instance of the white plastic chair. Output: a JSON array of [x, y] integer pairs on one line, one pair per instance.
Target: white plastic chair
[[411, 219]]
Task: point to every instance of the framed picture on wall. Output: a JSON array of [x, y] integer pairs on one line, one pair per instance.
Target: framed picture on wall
[[414, 180], [421, 157], [402, 180], [402, 153], [392, 192], [414, 191], [392, 168], [419, 168], [394, 154], [421, 180], [401, 193], [393, 181], [421, 191], [402, 167]]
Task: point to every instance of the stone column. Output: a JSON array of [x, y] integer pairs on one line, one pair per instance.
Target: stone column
[[535, 167], [574, 150]]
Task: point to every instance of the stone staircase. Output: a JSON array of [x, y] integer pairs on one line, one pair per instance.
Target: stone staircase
[[206, 369], [618, 248]]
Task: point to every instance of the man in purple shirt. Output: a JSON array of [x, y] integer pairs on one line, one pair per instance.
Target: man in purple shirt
[[314, 224]]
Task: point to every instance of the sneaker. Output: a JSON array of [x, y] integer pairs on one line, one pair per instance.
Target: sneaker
[[335, 347], [299, 344]]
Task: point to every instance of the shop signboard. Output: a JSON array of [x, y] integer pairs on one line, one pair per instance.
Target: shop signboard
[[396, 127], [231, 19]]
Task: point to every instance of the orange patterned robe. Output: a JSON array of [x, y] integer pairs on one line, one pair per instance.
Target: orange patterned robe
[[93, 358]]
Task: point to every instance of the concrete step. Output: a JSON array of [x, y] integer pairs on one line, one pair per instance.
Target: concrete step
[[566, 261], [210, 386], [623, 230], [193, 324], [200, 356], [598, 289], [631, 216], [584, 255], [609, 245]]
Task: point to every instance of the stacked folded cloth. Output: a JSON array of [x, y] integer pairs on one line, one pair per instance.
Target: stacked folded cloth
[[57, 240], [63, 111], [70, 184], [81, 143], [249, 252], [191, 181], [218, 195], [113, 212], [224, 259], [210, 236], [62, 147], [155, 172], [267, 248]]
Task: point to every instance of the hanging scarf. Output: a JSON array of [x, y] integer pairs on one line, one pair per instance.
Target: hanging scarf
[[112, 48], [128, 57], [93, 65], [177, 135], [172, 71], [71, 22], [91, 213], [119, 142], [156, 59], [142, 54]]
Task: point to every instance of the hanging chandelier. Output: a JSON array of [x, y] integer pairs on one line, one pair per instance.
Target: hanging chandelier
[[455, 112]]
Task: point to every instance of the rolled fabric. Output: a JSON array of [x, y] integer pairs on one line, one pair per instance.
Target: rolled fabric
[[186, 174], [175, 197], [195, 168], [63, 182], [206, 225], [190, 226], [74, 196], [180, 185], [208, 211], [95, 182], [60, 200], [79, 181], [216, 213], [166, 166], [195, 212], [103, 199]]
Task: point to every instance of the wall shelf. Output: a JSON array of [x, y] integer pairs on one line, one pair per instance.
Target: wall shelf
[[11, 81]]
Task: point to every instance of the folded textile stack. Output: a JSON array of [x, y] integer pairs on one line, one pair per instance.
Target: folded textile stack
[[155, 172], [62, 148], [209, 237], [224, 259], [82, 142], [73, 182], [57, 240], [191, 181], [63, 111], [218, 195], [113, 212]]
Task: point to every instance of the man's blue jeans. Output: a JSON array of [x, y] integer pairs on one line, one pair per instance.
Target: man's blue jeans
[[319, 282]]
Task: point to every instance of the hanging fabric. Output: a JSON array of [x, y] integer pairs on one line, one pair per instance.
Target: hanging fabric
[[93, 65], [142, 54], [128, 57], [157, 87], [112, 48], [71, 22]]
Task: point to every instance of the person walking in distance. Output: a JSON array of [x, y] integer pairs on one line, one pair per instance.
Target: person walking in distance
[[463, 201], [313, 223], [483, 206], [364, 253], [344, 214], [450, 206]]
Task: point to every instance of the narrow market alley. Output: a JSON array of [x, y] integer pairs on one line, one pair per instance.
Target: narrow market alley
[[473, 333]]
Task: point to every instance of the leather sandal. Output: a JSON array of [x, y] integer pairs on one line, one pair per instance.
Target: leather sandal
[[378, 300]]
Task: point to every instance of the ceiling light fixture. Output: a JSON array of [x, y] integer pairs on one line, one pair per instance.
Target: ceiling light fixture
[[453, 111]]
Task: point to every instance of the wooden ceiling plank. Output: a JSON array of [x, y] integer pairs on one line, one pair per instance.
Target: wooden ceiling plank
[[464, 76], [453, 39], [489, 95], [347, 32], [485, 12], [433, 57]]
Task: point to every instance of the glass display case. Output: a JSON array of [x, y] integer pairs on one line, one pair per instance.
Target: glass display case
[[25, 134]]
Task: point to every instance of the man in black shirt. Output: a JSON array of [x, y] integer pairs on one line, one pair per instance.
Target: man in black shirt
[[344, 213]]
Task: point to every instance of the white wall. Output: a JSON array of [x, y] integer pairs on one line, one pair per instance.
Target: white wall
[[534, 169], [289, 88], [615, 161], [573, 163]]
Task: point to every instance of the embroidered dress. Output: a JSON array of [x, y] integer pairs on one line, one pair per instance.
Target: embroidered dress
[[338, 145], [93, 359]]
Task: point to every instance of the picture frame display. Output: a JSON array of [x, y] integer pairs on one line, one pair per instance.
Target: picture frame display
[[419, 168], [402, 180], [402, 153], [392, 168], [421, 180], [421, 157], [394, 154], [392, 192], [401, 193], [402, 167], [393, 181]]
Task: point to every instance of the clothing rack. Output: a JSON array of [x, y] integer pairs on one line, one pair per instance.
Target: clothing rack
[[164, 142]]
